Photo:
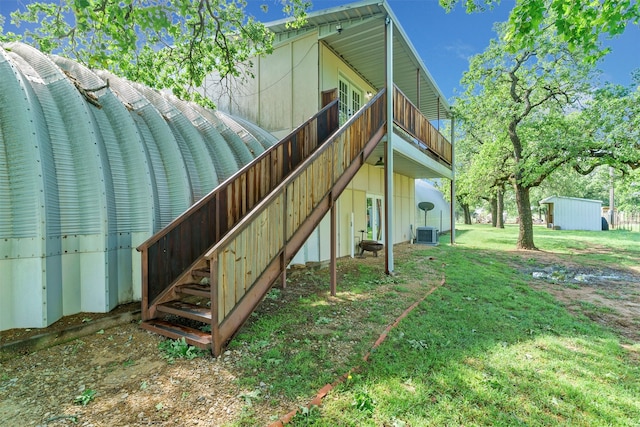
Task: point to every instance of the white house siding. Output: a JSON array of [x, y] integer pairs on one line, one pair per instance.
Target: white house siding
[[284, 92], [570, 213], [370, 181], [332, 67], [82, 186]]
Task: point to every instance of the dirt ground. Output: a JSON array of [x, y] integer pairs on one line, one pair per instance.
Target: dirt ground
[[136, 387], [607, 295]]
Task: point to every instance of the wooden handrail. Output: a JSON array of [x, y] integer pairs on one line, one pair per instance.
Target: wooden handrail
[[259, 247], [172, 250], [408, 117]]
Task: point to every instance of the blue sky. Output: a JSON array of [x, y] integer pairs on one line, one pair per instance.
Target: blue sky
[[446, 41]]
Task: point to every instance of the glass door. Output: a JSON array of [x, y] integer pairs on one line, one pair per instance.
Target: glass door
[[350, 99], [374, 218]]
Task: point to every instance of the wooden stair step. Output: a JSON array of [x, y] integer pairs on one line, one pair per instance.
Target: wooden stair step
[[192, 336], [201, 272], [184, 309], [196, 289]]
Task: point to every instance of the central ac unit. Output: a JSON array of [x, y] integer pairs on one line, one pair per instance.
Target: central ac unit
[[427, 235]]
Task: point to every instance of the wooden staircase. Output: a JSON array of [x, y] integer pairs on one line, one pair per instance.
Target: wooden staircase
[[204, 274]]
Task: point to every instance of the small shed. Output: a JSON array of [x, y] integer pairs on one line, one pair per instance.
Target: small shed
[[572, 213]]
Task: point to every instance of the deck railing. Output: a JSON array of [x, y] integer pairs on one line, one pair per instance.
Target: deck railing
[[171, 251], [408, 117], [256, 252]]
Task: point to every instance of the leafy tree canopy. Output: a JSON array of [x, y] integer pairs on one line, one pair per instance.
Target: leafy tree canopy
[[528, 114], [162, 43], [579, 23]]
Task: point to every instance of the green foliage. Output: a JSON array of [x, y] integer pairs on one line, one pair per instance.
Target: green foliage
[[527, 114], [179, 349], [579, 23], [85, 397], [363, 402], [514, 121], [614, 115], [162, 43], [306, 416]]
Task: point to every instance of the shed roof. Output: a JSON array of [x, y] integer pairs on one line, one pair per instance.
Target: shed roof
[[556, 199], [361, 43]]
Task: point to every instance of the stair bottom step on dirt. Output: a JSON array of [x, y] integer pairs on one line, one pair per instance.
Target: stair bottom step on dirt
[[192, 336]]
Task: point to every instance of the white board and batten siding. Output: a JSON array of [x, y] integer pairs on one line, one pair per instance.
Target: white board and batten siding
[[571, 213]]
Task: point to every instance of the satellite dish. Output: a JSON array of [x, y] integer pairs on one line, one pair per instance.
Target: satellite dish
[[426, 207]]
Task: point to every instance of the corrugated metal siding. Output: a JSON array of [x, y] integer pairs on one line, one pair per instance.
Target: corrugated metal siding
[[577, 215], [168, 171], [70, 130], [82, 184], [261, 135], [18, 144], [221, 154], [234, 130], [124, 156], [201, 169], [571, 213], [240, 150]]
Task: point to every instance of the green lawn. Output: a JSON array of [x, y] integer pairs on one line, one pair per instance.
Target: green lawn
[[486, 348]]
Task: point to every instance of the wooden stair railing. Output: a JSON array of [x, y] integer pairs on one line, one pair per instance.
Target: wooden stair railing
[[235, 274], [169, 255], [428, 139]]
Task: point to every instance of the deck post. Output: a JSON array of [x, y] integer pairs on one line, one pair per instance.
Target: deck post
[[216, 344], [145, 284], [334, 241], [388, 161], [452, 211], [283, 255]]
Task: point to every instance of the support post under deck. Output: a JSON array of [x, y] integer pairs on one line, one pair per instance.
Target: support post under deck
[[334, 241], [388, 161]]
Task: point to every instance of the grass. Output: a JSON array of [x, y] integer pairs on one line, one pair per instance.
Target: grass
[[484, 349]]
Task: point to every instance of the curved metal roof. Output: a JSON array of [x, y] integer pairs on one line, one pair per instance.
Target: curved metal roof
[[90, 166]]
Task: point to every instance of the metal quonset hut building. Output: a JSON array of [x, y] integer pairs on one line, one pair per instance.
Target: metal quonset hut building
[[439, 217], [91, 165], [571, 213]]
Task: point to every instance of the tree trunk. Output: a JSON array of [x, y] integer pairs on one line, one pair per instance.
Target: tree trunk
[[525, 236], [494, 210], [500, 210], [467, 213]]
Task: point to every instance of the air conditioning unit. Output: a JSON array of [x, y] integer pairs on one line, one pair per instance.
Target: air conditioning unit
[[427, 235]]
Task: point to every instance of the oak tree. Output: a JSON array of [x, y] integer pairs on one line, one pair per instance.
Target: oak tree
[[161, 43]]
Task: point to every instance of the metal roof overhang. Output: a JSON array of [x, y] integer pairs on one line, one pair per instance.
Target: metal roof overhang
[[361, 44]]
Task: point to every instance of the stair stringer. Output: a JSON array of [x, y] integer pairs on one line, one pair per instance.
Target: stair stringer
[[285, 219]]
